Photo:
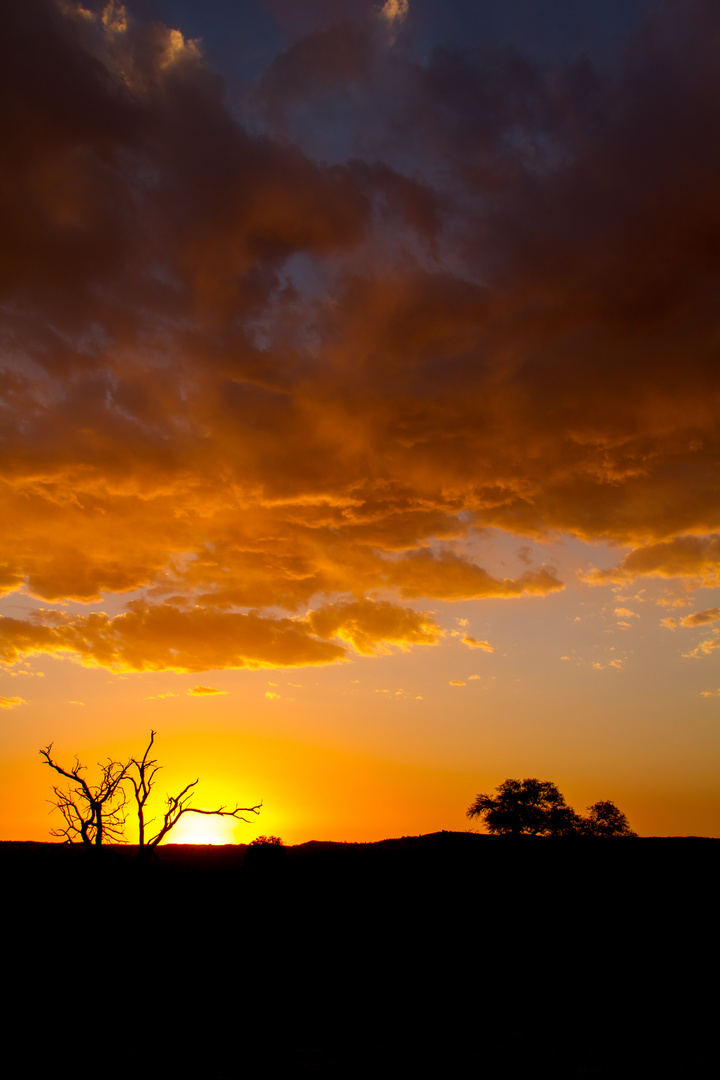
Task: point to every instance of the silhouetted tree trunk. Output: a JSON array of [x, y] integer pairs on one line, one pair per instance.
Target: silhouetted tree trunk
[[177, 805], [97, 813], [92, 812]]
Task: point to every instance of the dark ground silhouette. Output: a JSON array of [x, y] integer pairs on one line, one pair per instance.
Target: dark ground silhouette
[[449, 955]]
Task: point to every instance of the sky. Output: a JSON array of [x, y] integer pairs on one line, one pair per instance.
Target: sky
[[359, 398]]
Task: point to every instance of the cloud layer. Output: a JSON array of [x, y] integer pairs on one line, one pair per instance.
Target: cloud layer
[[279, 375]]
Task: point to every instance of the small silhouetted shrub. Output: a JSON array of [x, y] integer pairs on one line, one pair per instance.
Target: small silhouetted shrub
[[266, 853]]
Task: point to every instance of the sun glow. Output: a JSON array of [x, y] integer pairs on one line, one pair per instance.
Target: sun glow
[[202, 829]]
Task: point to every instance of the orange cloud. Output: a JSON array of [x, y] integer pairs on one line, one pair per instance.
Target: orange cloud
[[696, 557], [370, 626], [204, 691], [11, 702], [705, 648], [701, 618], [473, 643], [237, 381], [167, 638], [450, 577]]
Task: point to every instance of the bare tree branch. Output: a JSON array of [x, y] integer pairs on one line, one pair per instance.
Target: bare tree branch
[[177, 805], [146, 769], [95, 813]]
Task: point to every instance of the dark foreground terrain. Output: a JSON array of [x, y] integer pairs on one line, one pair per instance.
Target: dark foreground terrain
[[449, 955]]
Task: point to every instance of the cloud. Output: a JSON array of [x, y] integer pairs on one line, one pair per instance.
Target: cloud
[[448, 576], [696, 557], [625, 613], [457, 682], [701, 618], [394, 10], [473, 643], [204, 691], [167, 638], [11, 702], [705, 648], [371, 626], [251, 369]]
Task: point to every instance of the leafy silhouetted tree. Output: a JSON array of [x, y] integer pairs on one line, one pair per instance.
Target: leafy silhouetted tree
[[604, 819], [142, 773], [266, 853], [93, 812], [532, 807], [536, 808]]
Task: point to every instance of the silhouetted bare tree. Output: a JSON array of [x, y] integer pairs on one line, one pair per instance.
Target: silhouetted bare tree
[[146, 769], [97, 814], [93, 812]]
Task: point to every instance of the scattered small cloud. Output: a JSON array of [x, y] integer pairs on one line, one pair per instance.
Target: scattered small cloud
[[161, 697], [626, 613], [457, 682], [703, 649], [669, 623], [473, 643], [710, 693], [11, 702], [205, 691], [76, 703], [701, 618]]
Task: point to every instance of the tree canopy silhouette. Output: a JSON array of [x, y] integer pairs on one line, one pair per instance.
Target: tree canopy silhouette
[[96, 814], [604, 819], [537, 808], [534, 807]]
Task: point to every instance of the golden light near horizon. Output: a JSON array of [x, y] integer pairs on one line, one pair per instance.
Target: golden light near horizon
[[372, 458], [199, 829]]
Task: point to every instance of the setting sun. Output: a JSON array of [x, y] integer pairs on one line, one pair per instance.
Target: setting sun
[[199, 829]]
